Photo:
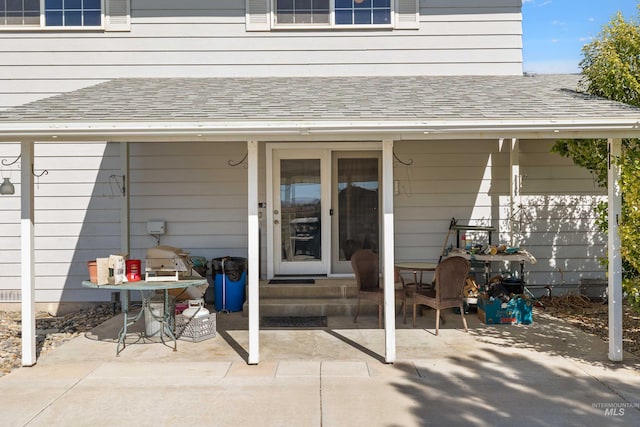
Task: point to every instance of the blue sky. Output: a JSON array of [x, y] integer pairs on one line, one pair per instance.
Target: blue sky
[[554, 31]]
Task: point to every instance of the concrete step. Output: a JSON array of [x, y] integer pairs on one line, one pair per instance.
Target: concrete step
[[308, 307], [325, 297], [313, 307], [320, 289]]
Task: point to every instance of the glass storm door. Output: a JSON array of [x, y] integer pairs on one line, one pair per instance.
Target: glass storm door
[[300, 206], [356, 206]]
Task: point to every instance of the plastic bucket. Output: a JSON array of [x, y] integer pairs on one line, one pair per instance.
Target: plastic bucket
[[93, 271], [230, 279], [151, 321], [230, 294]]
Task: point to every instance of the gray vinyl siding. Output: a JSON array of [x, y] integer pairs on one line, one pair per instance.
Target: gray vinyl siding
[[77, 217], [194, 189], [209, 38], [204, 203], [189, 185], [560, 201], [469, 181]]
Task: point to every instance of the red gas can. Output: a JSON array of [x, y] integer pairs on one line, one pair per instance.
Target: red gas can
[[133, 270]]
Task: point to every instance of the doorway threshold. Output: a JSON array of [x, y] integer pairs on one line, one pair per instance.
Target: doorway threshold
[[291, 280]]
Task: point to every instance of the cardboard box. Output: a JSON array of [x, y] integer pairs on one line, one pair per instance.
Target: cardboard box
[[495, 312]]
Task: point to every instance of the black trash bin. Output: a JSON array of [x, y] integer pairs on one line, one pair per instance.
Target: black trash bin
[[514, 285], [229, 279]]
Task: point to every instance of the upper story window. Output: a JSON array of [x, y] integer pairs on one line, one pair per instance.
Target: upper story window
[[332, 12], [19, 12], [72, 13], [112, 15]]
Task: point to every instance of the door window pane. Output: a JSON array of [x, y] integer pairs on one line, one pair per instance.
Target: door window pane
[[300, 196], [357, 205]]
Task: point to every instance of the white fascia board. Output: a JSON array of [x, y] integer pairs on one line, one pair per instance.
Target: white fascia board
[[12, 131]]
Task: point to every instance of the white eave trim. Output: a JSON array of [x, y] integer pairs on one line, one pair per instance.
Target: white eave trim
[[436, 129]]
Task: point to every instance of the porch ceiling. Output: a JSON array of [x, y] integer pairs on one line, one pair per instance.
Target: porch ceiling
[[425, 107]]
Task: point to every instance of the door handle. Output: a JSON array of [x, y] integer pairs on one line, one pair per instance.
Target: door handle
[[276, 222]]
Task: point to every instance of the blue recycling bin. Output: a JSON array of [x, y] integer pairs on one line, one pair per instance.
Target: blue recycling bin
[[230, 280]]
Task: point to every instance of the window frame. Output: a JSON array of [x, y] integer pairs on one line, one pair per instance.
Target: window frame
[[43, 27], [332, 18]]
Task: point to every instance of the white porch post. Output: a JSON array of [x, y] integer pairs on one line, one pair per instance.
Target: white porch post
[[514, 184], [615, 259], [124, 204], [253, 254], [388, 253], [27, 256]]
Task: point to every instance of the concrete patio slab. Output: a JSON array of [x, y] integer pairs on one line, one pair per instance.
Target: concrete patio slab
[[546, 373]]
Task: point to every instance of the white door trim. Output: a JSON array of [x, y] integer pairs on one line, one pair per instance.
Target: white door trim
[[314, 146]]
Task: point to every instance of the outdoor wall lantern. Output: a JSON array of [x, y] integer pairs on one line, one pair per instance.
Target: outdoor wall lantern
[[7, 188]]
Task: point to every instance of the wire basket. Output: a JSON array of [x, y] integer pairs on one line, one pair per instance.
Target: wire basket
[[195, 329]]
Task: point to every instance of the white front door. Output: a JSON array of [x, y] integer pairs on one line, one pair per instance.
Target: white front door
[[300, 215]]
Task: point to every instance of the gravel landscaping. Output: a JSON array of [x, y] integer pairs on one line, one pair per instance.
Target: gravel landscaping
[[51, 332]]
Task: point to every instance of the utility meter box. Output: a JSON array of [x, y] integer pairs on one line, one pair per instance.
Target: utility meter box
[[156, 226]]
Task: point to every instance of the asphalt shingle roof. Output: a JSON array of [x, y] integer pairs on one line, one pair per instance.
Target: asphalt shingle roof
[[323, 98]]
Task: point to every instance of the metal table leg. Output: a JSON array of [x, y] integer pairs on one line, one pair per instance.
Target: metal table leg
[[125, 313], [167, 324], [122, 336]]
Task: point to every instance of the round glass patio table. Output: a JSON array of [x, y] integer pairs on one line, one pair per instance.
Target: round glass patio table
[[147, 289]]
